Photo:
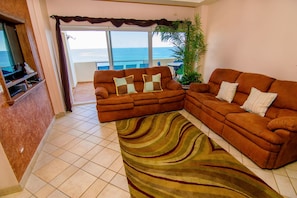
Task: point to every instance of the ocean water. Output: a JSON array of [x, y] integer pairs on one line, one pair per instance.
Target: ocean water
[[120, 55], [4, 61]]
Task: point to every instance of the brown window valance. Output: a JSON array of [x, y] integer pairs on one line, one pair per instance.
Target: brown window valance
[[116, 22]]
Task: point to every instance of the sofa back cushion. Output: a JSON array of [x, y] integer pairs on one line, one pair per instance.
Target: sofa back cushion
[[248, 80], [104, 78], [166, 75], [138, 81], [219, 75], [286, 96]]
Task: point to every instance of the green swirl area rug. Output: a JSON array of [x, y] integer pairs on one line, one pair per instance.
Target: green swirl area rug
[[165, 155]]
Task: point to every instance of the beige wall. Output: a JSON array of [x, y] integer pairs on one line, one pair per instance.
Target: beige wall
[[247, 35], [253, 36], [93, 8]]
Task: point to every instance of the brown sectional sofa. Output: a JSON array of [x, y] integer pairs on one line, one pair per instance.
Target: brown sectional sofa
[[111, 107], [269, 141]]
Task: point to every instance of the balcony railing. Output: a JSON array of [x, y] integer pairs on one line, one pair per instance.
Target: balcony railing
[[84, 71], [118, 65]]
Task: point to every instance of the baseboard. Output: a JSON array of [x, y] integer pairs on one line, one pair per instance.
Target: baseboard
[[84, 103], [35, 156], [22, 183], [61, 114], [10, 190]]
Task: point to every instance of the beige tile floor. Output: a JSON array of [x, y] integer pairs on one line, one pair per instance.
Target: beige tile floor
[[81, 158]]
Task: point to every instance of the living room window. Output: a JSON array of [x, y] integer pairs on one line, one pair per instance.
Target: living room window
[[119, 49], [112, 49], [162, 51], [88, 46], [129, 49]]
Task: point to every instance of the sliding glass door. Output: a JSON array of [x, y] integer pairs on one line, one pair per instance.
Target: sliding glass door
[[90, 50], [129, 49], [89, 47], [162, 51], [119, 49]]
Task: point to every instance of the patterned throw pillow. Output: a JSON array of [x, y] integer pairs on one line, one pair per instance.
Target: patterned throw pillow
[[152, 83], [124, 85], [227, 91], [258, 102]]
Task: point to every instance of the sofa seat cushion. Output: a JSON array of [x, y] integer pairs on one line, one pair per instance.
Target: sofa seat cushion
[[254, 127], [114, 103], [144, 98], [219, 109], [200, 97], [193, 100], [223, 107], [167, 96]]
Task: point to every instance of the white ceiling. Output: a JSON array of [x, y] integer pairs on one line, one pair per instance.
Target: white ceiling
[[185, 3]]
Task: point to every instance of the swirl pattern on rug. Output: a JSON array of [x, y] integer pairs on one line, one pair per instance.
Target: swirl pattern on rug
[[165, 155]]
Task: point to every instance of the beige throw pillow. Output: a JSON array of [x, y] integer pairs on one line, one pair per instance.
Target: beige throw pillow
[[227, 91], [152, 83], [258, 102], [124, 85]]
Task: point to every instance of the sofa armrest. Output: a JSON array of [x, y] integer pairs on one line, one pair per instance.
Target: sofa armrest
[[173, 85], [287, 122], [199, 87], [101, 91]]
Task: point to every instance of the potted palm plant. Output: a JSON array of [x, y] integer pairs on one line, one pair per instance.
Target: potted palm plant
[[189, 44]]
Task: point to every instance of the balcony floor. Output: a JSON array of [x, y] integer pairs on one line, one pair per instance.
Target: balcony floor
[[84, 92]]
